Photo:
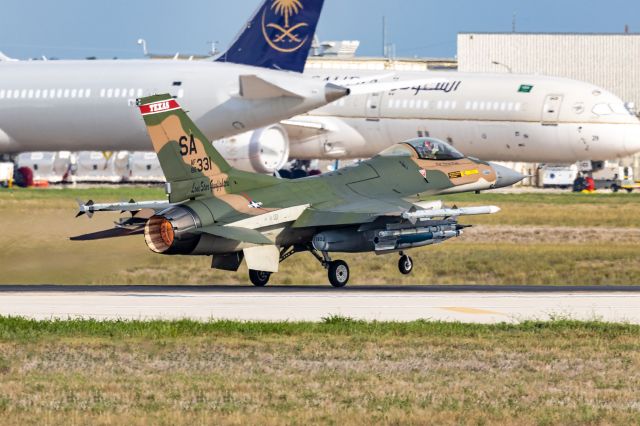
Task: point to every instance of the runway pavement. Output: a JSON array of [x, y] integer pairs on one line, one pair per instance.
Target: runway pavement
[[481, 304]]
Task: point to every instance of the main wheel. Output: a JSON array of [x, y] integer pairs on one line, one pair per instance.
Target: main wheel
[[405, 265], [338, 273], [259, 278]]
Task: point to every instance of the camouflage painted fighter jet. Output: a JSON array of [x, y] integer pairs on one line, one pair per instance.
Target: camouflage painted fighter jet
[[216, 210]]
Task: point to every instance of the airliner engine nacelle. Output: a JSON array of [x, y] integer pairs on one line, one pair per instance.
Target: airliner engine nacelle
[[265, 150]]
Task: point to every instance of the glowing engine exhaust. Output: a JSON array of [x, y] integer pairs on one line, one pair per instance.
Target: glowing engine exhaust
[[169, 231]]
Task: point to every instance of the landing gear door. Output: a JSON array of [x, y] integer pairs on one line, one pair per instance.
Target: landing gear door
[[551, 110]]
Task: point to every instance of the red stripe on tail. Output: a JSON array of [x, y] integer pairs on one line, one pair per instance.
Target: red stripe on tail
[[158, 107]]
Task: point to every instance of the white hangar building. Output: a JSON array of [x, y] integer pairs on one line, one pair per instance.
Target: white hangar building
[[611, 61]]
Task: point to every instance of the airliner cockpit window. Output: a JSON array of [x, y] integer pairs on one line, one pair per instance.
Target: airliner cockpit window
[[434, 149]]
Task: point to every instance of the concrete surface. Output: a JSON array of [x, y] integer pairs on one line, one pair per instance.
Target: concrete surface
[[481, 304]]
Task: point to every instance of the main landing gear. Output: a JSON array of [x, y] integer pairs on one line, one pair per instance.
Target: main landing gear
[[337, 270], [259, 278]]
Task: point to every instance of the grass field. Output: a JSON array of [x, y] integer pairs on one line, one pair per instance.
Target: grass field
[[537, 238], [337, 372]]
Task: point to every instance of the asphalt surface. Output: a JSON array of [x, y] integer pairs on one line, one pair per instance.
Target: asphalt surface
[[481, 304]]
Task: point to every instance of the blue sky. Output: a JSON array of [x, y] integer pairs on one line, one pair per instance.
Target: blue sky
[[80, 28]]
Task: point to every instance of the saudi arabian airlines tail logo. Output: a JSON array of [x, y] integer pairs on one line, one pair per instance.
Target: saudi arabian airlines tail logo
[[290, 37]]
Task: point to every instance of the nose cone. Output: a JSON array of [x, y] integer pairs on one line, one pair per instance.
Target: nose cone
[[333, 92], [632, 139], [506, 176]]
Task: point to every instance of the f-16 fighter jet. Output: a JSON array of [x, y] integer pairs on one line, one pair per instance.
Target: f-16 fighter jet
[[231, 215]]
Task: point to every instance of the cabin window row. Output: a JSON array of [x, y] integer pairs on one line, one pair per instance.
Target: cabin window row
[[421, 104], [492, 106], [44, 93], [120, 93], [72, 93], [448, 105]]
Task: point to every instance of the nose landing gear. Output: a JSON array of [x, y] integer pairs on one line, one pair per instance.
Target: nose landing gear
[[405, 264]]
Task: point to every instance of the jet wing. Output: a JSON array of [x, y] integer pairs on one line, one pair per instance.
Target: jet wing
[[109, 233], [353, 213], [366, 211]]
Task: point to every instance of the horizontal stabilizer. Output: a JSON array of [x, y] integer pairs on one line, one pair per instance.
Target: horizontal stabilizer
[[234, 233], [254, 87], [109, 233]]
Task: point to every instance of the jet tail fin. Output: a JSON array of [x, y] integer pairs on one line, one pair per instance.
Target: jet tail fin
[[278, 35], [190, 163]]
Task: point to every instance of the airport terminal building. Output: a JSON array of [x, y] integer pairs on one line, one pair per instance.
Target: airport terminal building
[[610, 61]]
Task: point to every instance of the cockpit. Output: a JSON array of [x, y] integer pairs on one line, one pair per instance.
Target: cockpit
[[425, 149]]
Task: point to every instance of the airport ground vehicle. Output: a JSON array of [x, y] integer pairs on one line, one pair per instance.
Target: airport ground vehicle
[[628, 185], [558, 176], [376, 206], [6, 173]]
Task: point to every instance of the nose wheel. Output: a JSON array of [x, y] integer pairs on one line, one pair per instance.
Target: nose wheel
[[405, 264], [259, 278]]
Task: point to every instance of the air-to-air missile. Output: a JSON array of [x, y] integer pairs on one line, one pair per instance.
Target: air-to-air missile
[[382, 205]]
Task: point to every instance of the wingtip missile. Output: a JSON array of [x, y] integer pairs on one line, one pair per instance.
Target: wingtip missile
[[449, 212], [85, 208]]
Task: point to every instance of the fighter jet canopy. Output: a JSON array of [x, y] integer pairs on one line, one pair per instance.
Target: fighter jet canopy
[[424, 149]]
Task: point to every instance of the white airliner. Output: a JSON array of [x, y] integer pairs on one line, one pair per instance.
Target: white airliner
[[90, 105], [503, 117]]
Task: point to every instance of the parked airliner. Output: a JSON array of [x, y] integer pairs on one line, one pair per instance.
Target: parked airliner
[[90, 105], [502, 117]]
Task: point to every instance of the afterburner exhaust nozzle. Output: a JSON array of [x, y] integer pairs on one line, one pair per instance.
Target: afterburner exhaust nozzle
[[506, 176], [334, 92]]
